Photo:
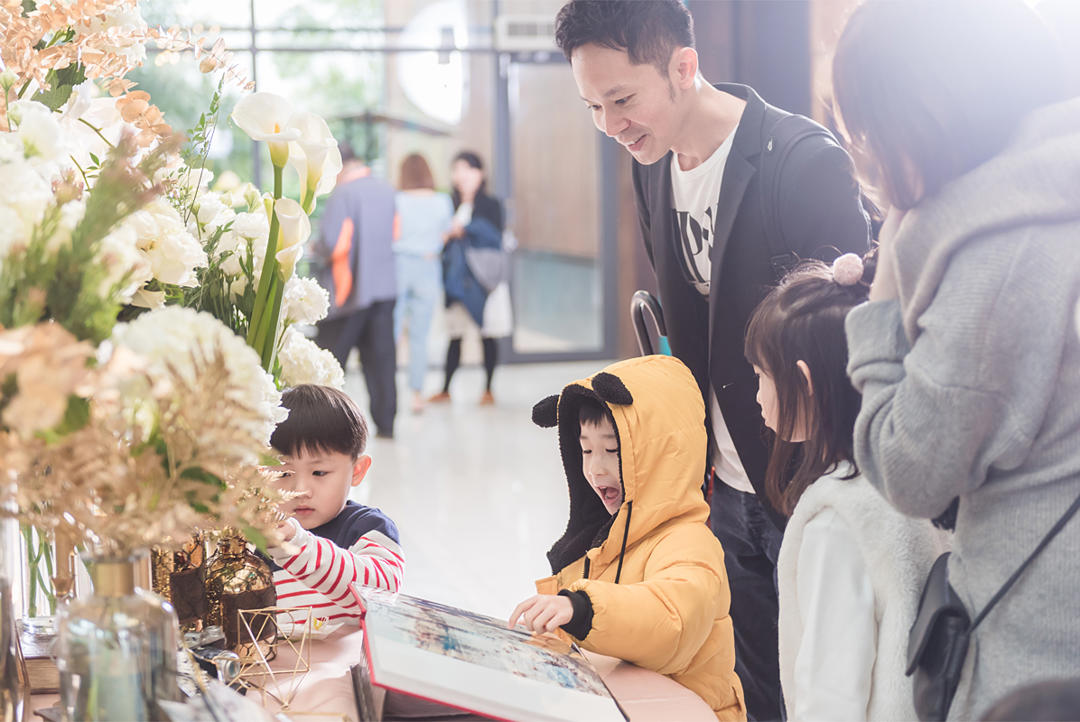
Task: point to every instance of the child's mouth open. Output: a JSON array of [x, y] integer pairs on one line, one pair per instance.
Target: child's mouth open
[[610, 494]]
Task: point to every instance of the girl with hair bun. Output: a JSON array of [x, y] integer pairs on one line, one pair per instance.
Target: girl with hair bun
[[850, 567]]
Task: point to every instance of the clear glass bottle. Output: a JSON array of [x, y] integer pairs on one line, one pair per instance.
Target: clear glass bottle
[[13, 695], [116, 649]]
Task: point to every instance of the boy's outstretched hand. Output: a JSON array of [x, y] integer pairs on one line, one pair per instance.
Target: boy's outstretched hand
[[543, 613]]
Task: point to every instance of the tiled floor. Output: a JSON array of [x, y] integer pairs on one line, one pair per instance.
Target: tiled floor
[[478, 493]]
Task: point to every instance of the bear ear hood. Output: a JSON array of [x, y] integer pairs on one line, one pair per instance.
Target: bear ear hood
[[545, 412], [655, 406]]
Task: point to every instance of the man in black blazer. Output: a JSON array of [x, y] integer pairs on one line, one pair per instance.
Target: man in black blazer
[[727, 197]]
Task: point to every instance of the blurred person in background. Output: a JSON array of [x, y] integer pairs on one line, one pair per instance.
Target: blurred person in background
[[472, 301], [424, 217], [355, 248]]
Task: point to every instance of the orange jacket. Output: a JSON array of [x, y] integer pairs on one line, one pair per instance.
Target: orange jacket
[[653, 572]]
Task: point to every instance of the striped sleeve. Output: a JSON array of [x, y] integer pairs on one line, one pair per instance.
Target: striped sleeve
[[316, 572]]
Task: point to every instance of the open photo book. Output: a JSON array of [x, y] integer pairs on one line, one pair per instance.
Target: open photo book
[[426, 660]]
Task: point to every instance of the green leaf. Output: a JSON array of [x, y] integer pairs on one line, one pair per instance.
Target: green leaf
[[61, 83], [269, 460], [195, 473], [76, 416], [256, 537]]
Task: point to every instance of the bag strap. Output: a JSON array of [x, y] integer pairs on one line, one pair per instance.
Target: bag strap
[[782, 136], [1054, 530]]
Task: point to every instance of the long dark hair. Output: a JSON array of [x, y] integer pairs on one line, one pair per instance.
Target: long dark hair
[[473, 161], [802, 319], [929, 89]]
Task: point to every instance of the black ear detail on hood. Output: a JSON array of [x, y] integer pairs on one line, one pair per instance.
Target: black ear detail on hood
[[546, 412], [610, 388]]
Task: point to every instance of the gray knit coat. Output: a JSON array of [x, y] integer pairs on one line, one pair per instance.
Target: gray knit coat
[[971, 389]]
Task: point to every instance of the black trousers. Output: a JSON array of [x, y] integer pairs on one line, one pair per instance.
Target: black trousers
[[370, 330], [751, 546]]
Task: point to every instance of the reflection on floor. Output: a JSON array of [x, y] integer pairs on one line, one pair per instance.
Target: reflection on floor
[[478, 493]]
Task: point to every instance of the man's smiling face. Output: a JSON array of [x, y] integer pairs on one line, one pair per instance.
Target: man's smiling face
[[634, 104]]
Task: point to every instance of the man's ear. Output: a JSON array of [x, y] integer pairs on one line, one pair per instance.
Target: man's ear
[[684, 67], [806, 375], [360, 469]]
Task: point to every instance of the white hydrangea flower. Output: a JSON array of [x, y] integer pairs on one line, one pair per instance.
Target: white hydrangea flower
[[170, 334], [304, 301], [173, 252], [303, 362]]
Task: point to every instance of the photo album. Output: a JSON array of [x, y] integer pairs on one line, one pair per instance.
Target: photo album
[[424, 659]]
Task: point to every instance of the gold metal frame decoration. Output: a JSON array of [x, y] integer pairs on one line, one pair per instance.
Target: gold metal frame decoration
[[256, 652]]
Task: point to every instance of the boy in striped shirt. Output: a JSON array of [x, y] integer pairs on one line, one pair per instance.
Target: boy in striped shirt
[[329, 541]]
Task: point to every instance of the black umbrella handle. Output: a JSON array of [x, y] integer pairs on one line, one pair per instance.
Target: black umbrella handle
[[648, 320]]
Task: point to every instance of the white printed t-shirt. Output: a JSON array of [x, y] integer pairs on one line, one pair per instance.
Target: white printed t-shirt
[[696, 194]]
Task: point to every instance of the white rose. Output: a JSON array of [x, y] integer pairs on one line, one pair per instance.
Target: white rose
[[252, 226], [173, 253], [39, 130], [303, 362], [232, 248], [26, 196], [304, 301], [211, 212], [120, 256]]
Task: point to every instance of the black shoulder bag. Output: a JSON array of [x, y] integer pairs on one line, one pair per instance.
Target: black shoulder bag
[[938, 642]]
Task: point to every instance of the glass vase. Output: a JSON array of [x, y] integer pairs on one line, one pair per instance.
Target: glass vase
[[13, 694], [116, 649]]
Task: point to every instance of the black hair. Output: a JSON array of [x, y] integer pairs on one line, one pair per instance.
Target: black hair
[[472, 160], [802, 319], [648, 30], [591, 411], [321, 419], [919, 87]]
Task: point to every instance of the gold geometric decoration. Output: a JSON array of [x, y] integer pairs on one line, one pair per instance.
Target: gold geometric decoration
[[256, 651]]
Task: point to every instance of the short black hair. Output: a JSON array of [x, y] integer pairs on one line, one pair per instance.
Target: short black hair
[[648, 30], [591, 411], [321, 419]]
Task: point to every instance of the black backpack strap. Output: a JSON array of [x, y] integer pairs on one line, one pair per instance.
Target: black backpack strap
[[782, 131]]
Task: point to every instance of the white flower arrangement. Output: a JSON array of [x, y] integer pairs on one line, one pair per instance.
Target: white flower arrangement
[[303, 362], [163, 337]]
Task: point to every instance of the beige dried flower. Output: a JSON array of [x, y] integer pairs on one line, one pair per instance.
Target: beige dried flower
[[156, 459]]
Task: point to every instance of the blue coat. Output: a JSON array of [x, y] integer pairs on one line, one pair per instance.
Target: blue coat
[[458, 280]]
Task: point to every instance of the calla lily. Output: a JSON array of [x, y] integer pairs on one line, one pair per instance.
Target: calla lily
[[287, 259], [265, 117], [315, 157], [295, 231]]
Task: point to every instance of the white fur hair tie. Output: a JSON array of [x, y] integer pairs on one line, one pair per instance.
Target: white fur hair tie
[[847, 270]]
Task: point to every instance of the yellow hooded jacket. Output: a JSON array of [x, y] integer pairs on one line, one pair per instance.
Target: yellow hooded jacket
[[653, 573]]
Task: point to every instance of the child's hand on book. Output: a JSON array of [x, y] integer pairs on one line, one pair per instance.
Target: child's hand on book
[[543, 613]]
